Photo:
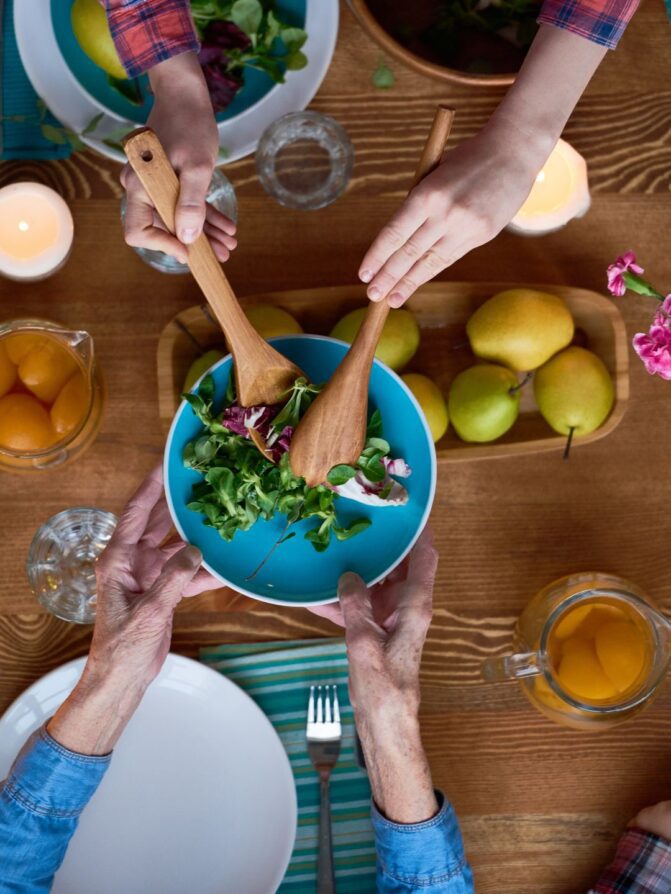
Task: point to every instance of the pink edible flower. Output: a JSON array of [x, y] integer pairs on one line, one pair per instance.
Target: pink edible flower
[[654, 347], [397, 467], [627, 261]]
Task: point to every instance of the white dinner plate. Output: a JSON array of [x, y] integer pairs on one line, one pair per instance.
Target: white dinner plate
[[73, 106], [199, 796]]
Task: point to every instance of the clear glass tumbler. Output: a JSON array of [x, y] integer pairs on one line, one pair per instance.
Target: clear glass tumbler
[[304, 160], [221, 196], [62, 559]]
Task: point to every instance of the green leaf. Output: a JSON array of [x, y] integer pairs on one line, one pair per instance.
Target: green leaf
[[247, 15], [273, 26], [53, 134], [296, 61], [93, 124], [340, 474], [379, 444], [357, 526], [374, 429], [128, 88], [383, 77], [206, 390], [205, 449], [293, 39]]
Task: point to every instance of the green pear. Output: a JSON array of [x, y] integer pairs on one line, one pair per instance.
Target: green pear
[[200, 366], [521, 328], [574, 391], [483, 402]]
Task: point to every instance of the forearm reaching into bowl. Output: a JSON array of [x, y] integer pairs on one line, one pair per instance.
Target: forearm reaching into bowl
[[159, 38], [480, 185]]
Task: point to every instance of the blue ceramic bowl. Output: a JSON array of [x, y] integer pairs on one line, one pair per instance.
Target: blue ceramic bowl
[[93, 79], [296, 574]]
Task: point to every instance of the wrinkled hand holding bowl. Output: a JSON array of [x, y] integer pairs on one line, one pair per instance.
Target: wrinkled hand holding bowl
[[296, 574]]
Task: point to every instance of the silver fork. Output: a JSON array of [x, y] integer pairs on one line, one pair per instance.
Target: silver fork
[[323, 734]]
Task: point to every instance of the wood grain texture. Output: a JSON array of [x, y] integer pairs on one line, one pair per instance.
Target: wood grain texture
[[541, 806]]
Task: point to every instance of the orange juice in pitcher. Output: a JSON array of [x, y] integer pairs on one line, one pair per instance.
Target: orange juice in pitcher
[[591, 650]]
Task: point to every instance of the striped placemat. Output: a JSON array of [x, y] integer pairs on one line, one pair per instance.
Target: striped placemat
[[278, 677]]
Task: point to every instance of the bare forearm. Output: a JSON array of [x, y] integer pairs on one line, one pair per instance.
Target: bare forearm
[[557, 69], [93, 717], [397, 767]]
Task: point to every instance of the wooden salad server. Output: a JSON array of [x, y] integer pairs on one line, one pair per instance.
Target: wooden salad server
[[333, 430], [262, 374]]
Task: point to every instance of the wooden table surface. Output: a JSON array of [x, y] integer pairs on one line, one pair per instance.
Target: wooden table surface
[[541, 806]]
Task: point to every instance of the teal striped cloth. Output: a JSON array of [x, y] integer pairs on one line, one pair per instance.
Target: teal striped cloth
[[278, 677], [21, 136]]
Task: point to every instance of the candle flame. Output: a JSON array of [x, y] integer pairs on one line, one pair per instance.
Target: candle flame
[[24, 226], [541, 177]]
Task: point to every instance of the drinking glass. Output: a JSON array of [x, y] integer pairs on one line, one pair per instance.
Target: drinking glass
[[304, 160], [62, 559], [221, 195]]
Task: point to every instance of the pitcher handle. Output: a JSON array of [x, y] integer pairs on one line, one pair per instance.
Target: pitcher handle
[[512, 667]]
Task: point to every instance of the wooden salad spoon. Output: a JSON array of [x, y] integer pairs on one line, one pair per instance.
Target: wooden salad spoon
[[333, 430], [262, 374]]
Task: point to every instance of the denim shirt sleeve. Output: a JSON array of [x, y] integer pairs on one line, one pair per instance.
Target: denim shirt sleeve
[[426, 857], [40, 802]]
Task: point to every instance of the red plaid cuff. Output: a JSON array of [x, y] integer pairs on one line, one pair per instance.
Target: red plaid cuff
[[601, 21], [642, 865], [147, 32]]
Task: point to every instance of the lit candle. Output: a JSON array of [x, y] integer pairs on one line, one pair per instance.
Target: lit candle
[[36, 231], [559, 194]]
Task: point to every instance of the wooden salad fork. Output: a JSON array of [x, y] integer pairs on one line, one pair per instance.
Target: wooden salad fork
[[262, 375], [333, 430], [324, 735]]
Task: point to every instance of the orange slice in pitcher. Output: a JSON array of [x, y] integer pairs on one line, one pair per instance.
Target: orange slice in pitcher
[[45, 369], [621, 651], [581, 675], [70, 406], [24, 424], [7, 371], [20, 343]]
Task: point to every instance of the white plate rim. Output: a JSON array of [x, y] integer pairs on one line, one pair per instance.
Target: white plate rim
[[75, 667], [380, 577], [322, 20]]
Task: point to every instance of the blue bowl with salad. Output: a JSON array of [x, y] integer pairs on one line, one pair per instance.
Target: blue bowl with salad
[[260, 529], [246, 50]]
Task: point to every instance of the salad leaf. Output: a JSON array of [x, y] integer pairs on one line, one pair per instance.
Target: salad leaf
[[247, 15]]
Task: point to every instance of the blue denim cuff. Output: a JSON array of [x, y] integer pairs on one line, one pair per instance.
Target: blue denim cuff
[[50, 780], [423, 854]]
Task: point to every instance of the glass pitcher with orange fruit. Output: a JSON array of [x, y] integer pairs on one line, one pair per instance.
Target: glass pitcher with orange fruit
[[51, 394], [591, 650]]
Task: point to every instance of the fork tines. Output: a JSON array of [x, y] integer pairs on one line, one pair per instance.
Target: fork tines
[[323, 713]]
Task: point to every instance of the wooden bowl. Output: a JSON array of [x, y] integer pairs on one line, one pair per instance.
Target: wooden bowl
[[423, 66], [442, 310]]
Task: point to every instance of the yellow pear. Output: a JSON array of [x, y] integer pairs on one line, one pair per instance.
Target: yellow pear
[[431, 400], [574, 391], [89, 24], [484, 402], [200, 366], [521, 328], [399, 340], [270, 321]]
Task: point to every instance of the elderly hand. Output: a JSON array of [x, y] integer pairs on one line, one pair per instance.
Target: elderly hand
[[385, 629], [183, 119], [140, 583]]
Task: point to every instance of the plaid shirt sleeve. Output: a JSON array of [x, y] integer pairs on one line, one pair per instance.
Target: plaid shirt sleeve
[[601, 21], [147, 32], [642, 865]]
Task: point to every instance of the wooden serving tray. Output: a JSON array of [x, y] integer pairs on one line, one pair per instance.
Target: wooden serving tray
[[441, 309]]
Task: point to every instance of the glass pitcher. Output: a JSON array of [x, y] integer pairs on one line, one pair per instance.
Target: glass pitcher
[[51, 394], [591, 650]]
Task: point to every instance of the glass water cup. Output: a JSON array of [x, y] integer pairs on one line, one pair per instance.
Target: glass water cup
[[537, 641], [221, 196], [304, 160], [62, 558], [79, 348]]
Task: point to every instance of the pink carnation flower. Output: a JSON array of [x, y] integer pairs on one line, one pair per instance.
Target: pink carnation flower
[[627, 261], [654, 347]]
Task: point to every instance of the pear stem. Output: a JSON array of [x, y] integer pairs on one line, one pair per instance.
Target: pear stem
[[569, 441], [460, 344], [513, 389]]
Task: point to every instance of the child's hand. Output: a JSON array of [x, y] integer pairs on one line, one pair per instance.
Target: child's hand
[[464, 203], [183, 119]]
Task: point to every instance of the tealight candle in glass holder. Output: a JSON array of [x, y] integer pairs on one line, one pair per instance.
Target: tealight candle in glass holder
[[560, 194], [36, 231]]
